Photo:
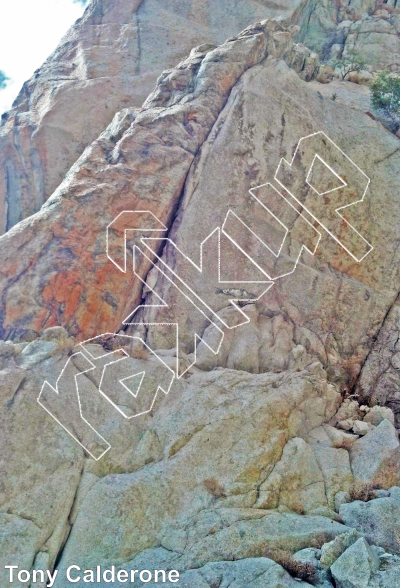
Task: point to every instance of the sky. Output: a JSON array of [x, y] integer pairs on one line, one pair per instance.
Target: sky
[[29, 31]]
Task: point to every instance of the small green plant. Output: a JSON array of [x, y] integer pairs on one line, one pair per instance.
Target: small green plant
[[385, 96], [334, 96], [3, 80], [349, 63]]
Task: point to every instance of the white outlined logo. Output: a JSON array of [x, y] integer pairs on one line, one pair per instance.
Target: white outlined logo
[[312, 191]]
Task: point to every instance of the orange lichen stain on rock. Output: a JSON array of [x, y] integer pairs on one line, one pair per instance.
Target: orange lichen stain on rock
[[51, 321], [12, 269], [64, 288], [110, 277], [76, 239], [360, 272], [97, 317], [13, 314]]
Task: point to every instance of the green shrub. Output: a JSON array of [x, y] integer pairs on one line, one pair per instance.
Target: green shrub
[[348, 63], [385, 96]]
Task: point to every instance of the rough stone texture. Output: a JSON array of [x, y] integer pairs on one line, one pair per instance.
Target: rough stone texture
[[333, 29], [386, 579], [300, 308], [374, 519], [345, 93], [375, 458], [244, 457], [377, 414], [380, 378], [312, 557], [190, 441], [361, 428], [200, 446], [140, 162], [325, 24], [331, 551], [353, 569], [249, 573], [377, 41], [40, 470], [110, 59], [295, 482]]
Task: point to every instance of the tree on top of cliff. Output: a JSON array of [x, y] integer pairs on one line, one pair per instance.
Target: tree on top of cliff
[[3, 80]]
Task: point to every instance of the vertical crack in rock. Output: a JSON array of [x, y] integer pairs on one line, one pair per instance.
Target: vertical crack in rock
[[139, 38], [172, 228], [63, 545], [355, 387]]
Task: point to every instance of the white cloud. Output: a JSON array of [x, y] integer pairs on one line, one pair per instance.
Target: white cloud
[[29, 32]]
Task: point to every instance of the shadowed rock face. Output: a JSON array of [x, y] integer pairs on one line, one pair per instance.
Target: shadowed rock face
[[252, 455], [110, 59]]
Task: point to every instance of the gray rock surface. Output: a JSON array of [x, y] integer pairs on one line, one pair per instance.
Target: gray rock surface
[[248, 573], [243, 458], [353, 569], [331, 551], [376, 520], [379, 381], [375, 458]]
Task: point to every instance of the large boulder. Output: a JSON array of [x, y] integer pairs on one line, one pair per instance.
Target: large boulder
[[332, 551], [40, 470], [377, 519], [353, 569], [376, 41], [375, 458], [220, 462], [291, 312]]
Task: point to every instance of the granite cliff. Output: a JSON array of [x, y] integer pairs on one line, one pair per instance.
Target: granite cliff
[[274, 460]]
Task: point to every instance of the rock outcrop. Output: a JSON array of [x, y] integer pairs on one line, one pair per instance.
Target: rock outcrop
[[141, 162], [270, 460], [230, 465], [368, 27], [110, 59]]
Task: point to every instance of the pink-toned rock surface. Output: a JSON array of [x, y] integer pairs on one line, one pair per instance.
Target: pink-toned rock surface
[[110, 59], [61, 274], [253, 454]]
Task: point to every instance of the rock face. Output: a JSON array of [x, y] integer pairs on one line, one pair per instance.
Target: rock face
[[380, 378], [376, 457], [38, 486], [355, 566], [368, 27], [263, 463], [110, 59], [373, 519], [133, 166]]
